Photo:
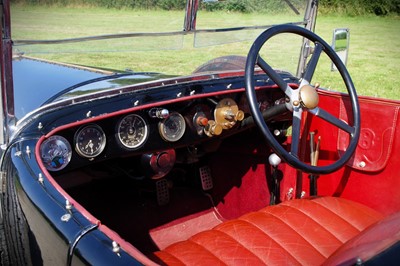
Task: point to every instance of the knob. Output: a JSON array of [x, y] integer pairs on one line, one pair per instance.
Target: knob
[[164, 160], [231, 116], [160, 113], [308, 97], [157, 165], [202, 121], [274, 160], [239, 115], [212, 128], [227, 113]]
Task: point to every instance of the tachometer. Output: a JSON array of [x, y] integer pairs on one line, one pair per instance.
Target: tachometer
[[56, 153], [132, 131], [173, 127], [90, 141]]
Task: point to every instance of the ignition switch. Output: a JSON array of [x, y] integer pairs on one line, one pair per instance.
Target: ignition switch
[[227, 113]]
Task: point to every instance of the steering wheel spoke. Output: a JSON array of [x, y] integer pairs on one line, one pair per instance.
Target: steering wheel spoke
[[312, 64], [296, 128], [321, 113], [274, 76]]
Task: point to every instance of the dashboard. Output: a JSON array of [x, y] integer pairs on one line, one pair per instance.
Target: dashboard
[[153, 133]]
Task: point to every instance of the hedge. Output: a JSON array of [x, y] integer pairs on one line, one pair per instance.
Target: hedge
[[347, 7]]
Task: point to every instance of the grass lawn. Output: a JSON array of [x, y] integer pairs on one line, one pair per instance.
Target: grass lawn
[[374, 58]]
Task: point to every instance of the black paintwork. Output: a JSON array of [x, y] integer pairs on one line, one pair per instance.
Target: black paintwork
[[41, 197]]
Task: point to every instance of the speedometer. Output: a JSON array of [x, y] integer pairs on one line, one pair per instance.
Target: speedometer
[[132, 131], [90, 141]]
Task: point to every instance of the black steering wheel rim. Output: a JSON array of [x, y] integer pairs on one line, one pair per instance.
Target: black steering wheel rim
[[254, 58]]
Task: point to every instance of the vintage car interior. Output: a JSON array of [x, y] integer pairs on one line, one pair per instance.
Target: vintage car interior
[[236, 164], [162, 166]]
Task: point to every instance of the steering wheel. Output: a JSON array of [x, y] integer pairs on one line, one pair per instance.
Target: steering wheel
[[303, 99]]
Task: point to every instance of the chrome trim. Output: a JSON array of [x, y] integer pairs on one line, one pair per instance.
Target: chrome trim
[[8, 120], [78, 237]]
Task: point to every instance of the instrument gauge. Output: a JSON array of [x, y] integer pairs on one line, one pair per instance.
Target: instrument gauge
[[173, 127], [132, 131], [56, 153], [90, 141]]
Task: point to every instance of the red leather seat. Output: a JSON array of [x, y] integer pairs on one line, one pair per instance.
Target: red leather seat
[[297, 232]]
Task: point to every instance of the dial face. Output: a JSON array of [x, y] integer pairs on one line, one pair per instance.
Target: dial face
[[173, 127], [56, 153], [90, 141], [132, 131]]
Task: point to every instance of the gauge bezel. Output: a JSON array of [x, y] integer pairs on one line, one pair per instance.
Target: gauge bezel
[[142, 140], [59, 141], [162, 127], [103, 141]]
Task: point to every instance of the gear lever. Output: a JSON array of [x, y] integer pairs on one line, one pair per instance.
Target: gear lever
[[276, 174], [314, 161]]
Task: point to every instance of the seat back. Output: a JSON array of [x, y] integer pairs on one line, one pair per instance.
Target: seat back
[[379, 244]]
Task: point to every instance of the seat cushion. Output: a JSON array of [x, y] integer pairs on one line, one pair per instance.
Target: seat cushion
[[302, 231]]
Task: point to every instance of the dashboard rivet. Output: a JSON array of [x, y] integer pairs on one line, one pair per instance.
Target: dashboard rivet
[[68, 205], [40, 178], [28, 152], [296, 103], [115, 247]]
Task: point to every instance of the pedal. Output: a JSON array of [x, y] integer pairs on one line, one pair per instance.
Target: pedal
[[162, 192], [206, 178]]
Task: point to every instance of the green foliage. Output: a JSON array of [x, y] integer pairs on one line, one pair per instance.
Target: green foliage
[[248, 6], [236, 6], [118, 4], [345, 7], [360, 7], [172, 4]]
